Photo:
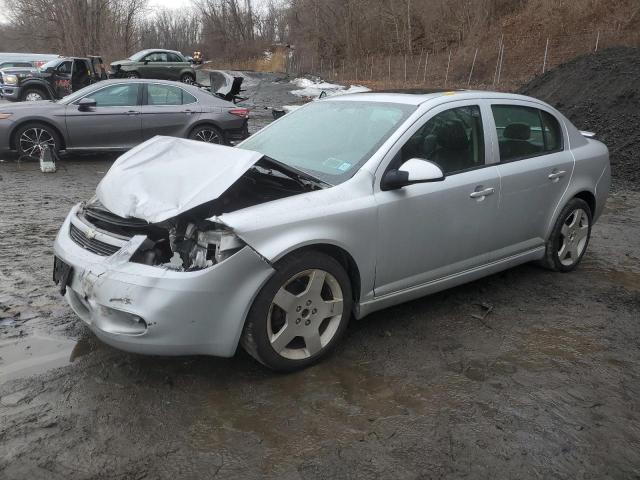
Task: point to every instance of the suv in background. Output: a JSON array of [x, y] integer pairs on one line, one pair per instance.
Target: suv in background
[[158, 64], [55, 79]]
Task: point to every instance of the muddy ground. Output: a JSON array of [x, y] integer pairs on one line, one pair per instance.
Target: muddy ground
[[524, 374]]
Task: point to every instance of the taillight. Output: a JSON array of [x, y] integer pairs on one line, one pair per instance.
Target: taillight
[[239, 112]]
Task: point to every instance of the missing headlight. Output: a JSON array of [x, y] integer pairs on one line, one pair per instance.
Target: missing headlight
[[191, 247]]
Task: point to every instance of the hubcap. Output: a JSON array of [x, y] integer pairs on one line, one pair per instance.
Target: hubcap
[[305, 314], [187, 79], [573, 237], [209, 136], [33, 97], [33, 140]]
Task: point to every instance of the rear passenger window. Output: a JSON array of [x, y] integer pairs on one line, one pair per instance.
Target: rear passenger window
[[453, 139], [525, 132]]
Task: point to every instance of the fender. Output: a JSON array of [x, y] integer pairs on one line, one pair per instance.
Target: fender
[[39, 83]]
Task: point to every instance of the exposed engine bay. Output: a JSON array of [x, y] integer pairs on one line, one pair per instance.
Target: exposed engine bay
[[188, 241]]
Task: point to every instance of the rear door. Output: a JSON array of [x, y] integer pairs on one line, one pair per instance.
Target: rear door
[[167, 110], [535, 167], [175, 66], [115, 122]]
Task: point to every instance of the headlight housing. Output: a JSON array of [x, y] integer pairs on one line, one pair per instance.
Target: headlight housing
[[4, 116], [10, 79]]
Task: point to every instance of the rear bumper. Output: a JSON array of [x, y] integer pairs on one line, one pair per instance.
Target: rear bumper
[[237, 135], [151, 310]]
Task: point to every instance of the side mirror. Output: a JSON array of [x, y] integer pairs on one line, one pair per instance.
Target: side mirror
[[86, 104], [146, 62], [414, 170]]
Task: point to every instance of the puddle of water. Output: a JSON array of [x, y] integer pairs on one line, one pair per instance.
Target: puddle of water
[[342, 401], [539, 348], [25, 356]]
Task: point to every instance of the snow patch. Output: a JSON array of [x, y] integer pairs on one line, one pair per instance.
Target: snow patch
[[312, 89]]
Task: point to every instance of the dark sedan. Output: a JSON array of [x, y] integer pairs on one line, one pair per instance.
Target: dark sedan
[[117, 115]]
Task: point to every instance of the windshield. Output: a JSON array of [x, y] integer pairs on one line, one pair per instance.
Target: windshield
[[330, 139], [49, 64], [138, 56]]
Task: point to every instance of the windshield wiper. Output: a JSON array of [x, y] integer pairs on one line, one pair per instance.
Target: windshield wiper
[[302, 178]]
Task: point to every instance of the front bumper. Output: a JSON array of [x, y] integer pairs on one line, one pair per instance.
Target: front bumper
[[10, 92], [150, 310]]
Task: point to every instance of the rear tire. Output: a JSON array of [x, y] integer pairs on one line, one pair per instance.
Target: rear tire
[[208, 134], [300, 314], [187, 78], [31, 138], [569, 238], [32, 94]]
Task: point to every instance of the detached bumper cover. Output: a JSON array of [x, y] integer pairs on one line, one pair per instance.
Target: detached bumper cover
[[151, 310]]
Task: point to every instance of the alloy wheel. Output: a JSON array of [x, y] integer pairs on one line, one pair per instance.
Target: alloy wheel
[[573, 237], [33, 97], [305, 314], [207, 135], [33, 140]]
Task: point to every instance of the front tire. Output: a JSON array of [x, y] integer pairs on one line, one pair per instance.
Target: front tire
[[300, 314], [132, 75], [34, 95], [30, 139], [569, 238]]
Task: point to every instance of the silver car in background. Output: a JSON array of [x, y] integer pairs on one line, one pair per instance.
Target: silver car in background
[[116, 115], [341, 208]]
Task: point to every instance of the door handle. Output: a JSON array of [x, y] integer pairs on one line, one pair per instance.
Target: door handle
[[133, 112], [482, 193], [555, 176], [188, 112]]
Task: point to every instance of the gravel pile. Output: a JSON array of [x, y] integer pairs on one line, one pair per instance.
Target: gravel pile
[[600, 92]]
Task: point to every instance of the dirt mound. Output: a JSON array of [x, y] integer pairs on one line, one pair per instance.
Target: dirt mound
[[601, 93]]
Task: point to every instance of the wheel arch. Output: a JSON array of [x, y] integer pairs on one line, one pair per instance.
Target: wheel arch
[[588, 197], [204, 122], [35, 121], [38, 85], [344, 258]]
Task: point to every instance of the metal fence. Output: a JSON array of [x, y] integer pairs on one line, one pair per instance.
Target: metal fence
[[511, 61]]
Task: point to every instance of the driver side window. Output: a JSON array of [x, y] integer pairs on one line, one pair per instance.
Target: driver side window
[[117, 96], [453, 139], [64, 67], [156, 57]]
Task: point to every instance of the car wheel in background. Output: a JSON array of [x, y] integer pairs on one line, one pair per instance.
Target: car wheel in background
[[187, 78], [300, 314], [207, 133], [569, 238], [34, 94], [30, 139], [133, 75]]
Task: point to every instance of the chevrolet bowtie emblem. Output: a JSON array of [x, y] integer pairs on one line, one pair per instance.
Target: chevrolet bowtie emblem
[[90, 234]]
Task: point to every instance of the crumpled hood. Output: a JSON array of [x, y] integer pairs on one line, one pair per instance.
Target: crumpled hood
[[122, 63], [166, 176]]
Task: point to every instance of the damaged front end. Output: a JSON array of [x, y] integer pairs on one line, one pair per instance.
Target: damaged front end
[[179, 244]]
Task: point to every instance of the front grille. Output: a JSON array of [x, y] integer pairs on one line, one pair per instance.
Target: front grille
[[91, 244]]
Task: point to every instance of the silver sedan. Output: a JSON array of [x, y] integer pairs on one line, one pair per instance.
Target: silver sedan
[[116, 115], [341, 208]]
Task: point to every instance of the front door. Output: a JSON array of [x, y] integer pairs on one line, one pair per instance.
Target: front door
[[114, 123], [534, 168], [428, 231], [61, 79]]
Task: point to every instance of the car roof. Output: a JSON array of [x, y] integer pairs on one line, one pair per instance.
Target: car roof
[[421, 96], [151, 50]]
